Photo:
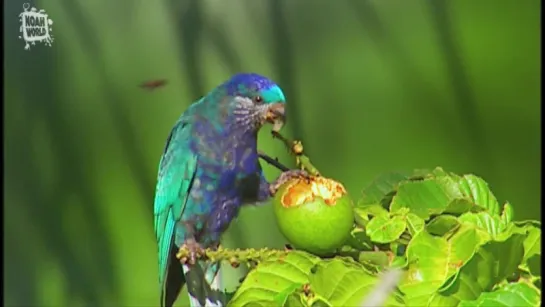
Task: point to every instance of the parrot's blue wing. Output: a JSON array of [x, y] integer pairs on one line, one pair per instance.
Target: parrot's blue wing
[[176, 171]]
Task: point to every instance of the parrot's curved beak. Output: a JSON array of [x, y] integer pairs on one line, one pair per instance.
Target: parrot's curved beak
[[276, 115]]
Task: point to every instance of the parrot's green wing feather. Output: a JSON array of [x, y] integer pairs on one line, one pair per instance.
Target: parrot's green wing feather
[[176, 170]]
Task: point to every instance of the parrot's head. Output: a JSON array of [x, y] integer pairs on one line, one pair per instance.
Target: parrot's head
[[258, 100]]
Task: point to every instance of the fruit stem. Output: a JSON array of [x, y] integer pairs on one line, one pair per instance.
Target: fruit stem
[[296, 149]]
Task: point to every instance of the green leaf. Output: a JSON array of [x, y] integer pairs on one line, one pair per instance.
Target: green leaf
[[528, 223], [295, 300], [459, 202], [514, 294], [440, 172], [461, 205], [433, 260], [343, 284], [399, 262], [361, 217], [282, 297], [423, 198], [477, 189], [532, 250], [359, 240], [445, 192], [318, 302], [364, 212], [380, 187], [385, 230], [415, 224], [492, 225], [371, 210], [532, 243], [420, 174], [507, 214], [493, 263], [265, 285], [442, 224], [379, 259], [507, 255]]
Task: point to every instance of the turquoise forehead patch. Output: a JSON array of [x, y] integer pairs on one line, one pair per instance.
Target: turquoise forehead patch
[[273, 94]]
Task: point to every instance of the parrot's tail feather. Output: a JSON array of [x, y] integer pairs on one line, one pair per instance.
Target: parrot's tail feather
[[175, 281], [201, 292]]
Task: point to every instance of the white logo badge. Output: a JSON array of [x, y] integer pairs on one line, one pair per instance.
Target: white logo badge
[[35, 26]]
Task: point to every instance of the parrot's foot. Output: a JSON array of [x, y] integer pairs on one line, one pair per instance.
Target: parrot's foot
[[285, 177], [195, 251]]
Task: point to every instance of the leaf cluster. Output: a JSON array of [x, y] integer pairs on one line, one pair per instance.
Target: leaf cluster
[[454, 242]]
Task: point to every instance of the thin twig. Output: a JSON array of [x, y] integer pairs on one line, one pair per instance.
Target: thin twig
[[273, 161]]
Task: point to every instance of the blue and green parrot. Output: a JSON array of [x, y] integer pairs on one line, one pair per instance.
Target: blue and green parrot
[[208, 170]]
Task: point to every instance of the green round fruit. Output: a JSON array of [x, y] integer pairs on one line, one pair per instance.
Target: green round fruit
[[315, 215]]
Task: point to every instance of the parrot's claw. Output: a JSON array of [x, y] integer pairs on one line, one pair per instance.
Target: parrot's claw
[[285, 177], [195, 251]]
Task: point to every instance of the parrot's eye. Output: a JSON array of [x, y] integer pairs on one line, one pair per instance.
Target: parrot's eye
[[258, 99]]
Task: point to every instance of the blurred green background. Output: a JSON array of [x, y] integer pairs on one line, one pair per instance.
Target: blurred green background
[[373, 86]]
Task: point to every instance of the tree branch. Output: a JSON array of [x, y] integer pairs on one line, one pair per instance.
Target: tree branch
[[233, 256]]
